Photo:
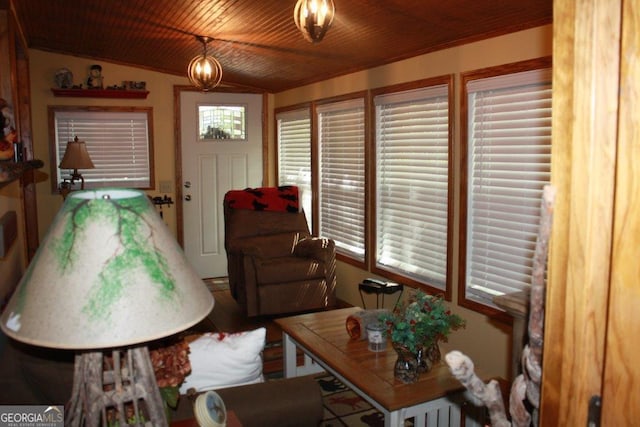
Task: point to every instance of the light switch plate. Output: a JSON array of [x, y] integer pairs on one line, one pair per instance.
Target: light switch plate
[[166, 187]]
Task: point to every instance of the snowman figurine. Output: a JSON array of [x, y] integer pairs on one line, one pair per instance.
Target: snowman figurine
[[95, 77]]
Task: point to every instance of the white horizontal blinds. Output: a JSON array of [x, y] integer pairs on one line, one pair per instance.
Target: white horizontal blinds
[[412, 160], [117, 142], [341, 136], [294, 153], [509, 152]]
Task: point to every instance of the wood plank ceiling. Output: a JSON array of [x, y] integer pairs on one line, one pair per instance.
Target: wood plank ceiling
[[257, 42]]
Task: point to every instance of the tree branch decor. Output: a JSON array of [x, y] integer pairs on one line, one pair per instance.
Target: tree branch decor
[[133, 248], [526, 386]]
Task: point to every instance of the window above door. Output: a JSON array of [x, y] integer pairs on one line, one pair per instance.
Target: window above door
[[222, 122]]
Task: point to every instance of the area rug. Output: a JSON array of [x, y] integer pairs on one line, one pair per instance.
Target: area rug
[[343, 407]]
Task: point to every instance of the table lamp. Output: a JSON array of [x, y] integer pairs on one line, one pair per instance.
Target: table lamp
[[75, 157], [109, 276]]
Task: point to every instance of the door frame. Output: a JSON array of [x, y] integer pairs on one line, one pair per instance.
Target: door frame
[[591, 317], [177, 130], [19, 81]]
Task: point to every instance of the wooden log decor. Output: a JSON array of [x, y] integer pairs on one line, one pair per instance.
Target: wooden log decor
[[357, 322], [524, 400], [120, 389]]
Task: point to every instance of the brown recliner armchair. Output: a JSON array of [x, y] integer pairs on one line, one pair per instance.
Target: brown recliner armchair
[[275, 266]]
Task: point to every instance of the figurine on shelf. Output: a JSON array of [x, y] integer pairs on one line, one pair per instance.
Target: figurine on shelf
[[133, 85], [95, 77], [7, 146], [8, 120], [8, 131], [64, 78]]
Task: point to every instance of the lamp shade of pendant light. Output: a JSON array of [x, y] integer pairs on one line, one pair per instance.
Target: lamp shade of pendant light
[[204, 71], [313, 18]]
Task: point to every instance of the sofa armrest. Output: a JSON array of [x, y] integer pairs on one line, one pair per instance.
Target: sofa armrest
[[319, 248], [294, 402], [31, 375], [245, 249]]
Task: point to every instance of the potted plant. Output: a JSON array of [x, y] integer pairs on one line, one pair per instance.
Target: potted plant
[[415, 328]]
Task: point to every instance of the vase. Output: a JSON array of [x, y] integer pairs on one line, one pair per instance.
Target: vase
[[427, 356], [406, 366], [422, 357], [433, 353]]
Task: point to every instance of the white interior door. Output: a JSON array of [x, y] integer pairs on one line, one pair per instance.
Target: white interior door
[[211, 167]]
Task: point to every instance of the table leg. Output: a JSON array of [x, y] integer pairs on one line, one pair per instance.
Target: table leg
[[394, 419], [290, 363], [291, 368]]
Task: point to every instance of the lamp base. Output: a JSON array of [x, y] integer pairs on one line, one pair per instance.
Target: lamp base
[[120, 388], [66, 186]]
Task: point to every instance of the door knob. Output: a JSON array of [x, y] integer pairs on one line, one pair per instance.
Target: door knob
[[187, 197], [187, 184]]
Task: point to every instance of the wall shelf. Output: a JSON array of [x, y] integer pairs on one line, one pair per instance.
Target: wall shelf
[[101, 93], [10, 171]]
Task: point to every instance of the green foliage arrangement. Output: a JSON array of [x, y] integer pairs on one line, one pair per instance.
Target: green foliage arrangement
[[421, 322]]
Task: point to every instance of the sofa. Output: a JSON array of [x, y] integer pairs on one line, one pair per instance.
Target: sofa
[[39, 376], [275, 265], [294, 402]]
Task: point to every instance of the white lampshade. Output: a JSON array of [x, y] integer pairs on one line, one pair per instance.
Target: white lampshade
[[108, 274]]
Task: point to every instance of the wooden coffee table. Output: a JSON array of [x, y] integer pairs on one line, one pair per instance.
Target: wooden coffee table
[[434, 400]]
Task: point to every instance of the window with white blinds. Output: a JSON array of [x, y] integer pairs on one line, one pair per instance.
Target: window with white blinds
[[509, 162], [341, 137], [118, 142], [412, 179], [294, 153]]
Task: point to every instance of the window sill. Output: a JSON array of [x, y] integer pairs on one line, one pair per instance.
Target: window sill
[[101, 93], [516, 304]]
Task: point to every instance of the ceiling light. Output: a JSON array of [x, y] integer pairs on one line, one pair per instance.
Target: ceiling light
[[205, 72], [313, 18]]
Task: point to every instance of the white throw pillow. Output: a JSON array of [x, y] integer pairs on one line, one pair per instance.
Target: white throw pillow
[[220, 360]]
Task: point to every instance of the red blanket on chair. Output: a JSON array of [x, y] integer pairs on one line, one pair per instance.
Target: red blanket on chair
[[284, 199]]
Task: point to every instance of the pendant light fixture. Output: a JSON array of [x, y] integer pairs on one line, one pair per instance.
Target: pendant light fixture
[[205, 72], [313, 18]]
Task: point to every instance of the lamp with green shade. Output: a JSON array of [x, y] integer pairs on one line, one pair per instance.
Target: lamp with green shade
[[108, 275]]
